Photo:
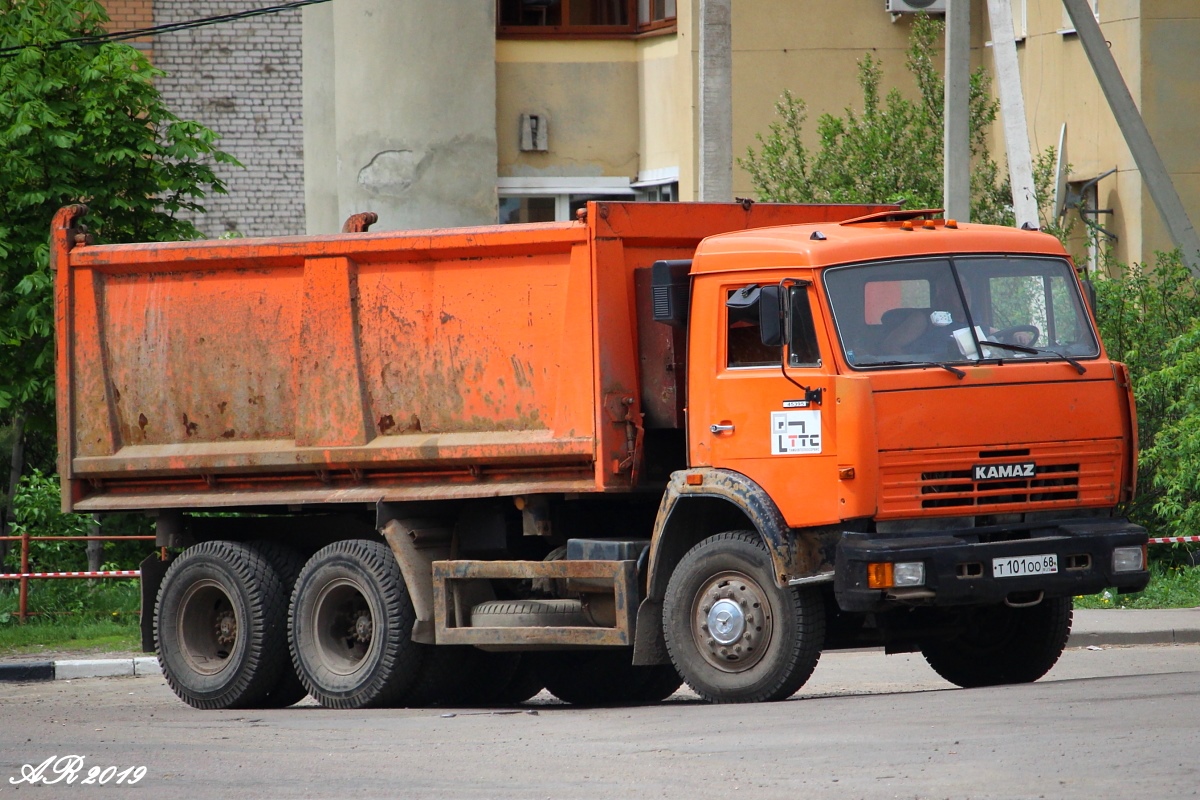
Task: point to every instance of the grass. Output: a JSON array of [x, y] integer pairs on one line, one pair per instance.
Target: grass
[[46, 634], [71, 615], [1171, 586]]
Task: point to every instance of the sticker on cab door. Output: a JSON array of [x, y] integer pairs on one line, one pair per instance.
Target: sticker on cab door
[[795, 432]]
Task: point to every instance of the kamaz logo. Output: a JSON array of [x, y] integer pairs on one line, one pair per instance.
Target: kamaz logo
[[992, 472]]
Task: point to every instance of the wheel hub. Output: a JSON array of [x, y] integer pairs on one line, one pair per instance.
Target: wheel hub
[[362, 627], [226, 625], [731, 622], [726, 622]]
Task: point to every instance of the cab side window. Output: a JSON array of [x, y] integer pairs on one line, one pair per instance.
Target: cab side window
[[803, 350], [743, 338]]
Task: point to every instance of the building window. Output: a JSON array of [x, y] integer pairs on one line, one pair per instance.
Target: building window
[[558, 199], [583, 18], [555, 199]]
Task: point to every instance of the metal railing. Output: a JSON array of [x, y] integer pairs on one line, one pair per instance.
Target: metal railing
[[25, 576]]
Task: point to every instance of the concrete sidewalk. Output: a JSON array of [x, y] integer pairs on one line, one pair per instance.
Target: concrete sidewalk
[[1116, 626], [1092, 627]]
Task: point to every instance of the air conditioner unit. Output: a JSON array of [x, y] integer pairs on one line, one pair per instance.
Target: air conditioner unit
[[913, 6]]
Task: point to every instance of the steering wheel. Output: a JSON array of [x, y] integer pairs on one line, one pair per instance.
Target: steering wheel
[[1008, 335]]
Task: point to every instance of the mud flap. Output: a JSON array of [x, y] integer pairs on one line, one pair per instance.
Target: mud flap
[[154, 568]]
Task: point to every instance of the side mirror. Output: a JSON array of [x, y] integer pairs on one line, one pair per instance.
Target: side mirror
[[1089, 294], [771, 316]]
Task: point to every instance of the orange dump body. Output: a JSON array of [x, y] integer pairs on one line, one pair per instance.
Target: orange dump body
[[367, 366]]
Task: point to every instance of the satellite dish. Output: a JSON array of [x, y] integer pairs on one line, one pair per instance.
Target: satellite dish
[[1060, 175]]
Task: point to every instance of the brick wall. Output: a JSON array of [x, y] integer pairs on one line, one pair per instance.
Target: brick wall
[[129, 15], [243, 80]]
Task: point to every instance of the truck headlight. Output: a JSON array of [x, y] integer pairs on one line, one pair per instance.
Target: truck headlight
[[1129, 559], [886, 575]]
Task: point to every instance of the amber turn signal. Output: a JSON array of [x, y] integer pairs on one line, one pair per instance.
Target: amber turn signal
[[879, 575]]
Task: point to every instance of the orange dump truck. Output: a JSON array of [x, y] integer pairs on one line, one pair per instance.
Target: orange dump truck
[[662, 443]]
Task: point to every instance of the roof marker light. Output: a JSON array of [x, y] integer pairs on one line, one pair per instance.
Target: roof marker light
[[929, 225], [906, 225], [951, 223]]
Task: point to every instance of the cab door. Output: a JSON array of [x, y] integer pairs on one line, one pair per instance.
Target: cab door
[[746, 416]]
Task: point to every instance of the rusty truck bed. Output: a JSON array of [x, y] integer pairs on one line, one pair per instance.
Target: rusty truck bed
[[366, 366]]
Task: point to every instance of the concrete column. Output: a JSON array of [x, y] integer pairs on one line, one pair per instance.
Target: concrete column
[[716, 101], [956, 150], [408, 90]]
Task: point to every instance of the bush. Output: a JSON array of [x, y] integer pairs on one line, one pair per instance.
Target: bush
[[1150, 320]]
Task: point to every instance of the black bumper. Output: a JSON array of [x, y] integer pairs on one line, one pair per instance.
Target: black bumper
[[958, 564]]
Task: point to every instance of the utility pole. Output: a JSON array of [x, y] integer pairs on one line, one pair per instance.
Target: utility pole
[[1012, 112], [956, 144], [1137, 137], [716, 101]]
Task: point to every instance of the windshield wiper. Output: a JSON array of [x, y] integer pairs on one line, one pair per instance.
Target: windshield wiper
[[1034, 351], [946, 367]]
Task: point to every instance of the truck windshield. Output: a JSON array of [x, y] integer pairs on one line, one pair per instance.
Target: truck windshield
[[947, 310]]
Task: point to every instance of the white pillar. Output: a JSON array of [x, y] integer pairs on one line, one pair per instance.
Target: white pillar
[[1012, 113]]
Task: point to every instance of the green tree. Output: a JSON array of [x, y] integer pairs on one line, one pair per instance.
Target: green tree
[[890, 151], [79, 122], [1150, 319]]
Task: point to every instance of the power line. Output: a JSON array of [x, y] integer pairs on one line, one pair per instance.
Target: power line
[[120, 36]]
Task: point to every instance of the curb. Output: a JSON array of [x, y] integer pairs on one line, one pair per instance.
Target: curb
[[1113, 638], [30, 671]]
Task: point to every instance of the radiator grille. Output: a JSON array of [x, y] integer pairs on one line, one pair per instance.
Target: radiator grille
[[915, 482]]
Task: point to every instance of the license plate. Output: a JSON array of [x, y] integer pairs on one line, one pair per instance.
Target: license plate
[[1016, 566]]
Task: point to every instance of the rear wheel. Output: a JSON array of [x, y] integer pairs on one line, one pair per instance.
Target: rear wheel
[[603, 677], [288, 562], [1000, 645], [351, 625], [220, 626], [733, 634]]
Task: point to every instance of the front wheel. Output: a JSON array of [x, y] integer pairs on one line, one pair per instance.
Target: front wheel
[[733, 635], [1000, 645]]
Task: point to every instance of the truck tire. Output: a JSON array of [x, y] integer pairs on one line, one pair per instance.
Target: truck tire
[[599, 677], [1001, 645], [769, 639], [219, 626], [661, 682], [553, 613], [524, 683], [350, 627], [444, 676], [288, 562]]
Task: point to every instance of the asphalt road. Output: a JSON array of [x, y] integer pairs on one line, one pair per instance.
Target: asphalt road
[[1116, 723]]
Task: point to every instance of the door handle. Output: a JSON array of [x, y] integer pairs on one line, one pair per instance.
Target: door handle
[[715, 428]]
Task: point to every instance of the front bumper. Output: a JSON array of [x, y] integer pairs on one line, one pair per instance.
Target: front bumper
[[958, 564]]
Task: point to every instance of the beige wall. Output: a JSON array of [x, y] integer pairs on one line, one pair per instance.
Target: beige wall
[[588, 89], [1155, 44], [813, 48], [665, 105], [623, 108], [1170, 49]]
